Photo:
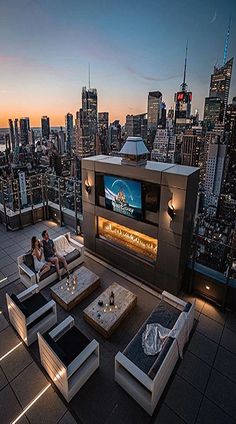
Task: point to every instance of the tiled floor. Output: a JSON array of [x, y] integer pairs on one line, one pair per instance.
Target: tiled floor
[[202, 389]]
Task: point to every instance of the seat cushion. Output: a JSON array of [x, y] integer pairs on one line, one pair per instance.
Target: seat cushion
[[70, 257], [164, 314], [72, 343], [29, 261], [34, 303], [20, 305], [51, 271]]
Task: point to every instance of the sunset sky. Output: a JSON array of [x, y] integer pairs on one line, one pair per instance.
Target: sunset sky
[[133, 47]]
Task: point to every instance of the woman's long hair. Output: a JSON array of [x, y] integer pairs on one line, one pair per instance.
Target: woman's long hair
[[33, 243]]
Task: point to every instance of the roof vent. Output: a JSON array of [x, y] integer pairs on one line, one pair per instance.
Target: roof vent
[[134, 152]]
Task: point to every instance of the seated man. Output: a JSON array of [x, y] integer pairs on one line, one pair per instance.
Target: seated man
[[51, 255]]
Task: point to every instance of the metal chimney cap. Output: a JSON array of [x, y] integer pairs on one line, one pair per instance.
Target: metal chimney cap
[[134, 146]]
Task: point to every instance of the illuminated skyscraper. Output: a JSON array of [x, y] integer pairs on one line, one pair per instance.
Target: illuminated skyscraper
[[89, 116], [183, 100], [220, 84], [16, 128], [103, 124], [45, 125]]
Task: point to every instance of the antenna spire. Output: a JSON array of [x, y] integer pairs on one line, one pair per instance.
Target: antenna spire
[[226, 43], [89, 75], [184, 85]]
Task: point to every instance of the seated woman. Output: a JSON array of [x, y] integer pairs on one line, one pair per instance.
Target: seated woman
[[40, 265]]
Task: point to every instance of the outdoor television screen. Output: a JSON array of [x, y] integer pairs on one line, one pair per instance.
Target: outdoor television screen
[[123, 196]]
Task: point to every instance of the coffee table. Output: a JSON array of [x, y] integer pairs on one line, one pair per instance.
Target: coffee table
[[68, 298], [105, 319]]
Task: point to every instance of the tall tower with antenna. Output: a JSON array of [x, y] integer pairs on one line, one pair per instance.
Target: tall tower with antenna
[[226, 43], [183, 100]]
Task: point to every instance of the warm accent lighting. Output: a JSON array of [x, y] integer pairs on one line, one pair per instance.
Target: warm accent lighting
[[3, 279], [171, 210], [137, 243], [10, 351], [208, 287], [88, 187], [31, 404]]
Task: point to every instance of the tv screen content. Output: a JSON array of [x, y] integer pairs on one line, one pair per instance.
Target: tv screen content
[[123, 196]]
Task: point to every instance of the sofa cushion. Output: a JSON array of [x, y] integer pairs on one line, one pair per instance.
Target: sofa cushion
[[20, 305], [164, 314], [72, 256], [34, 303], [72, 343], [51, 271], [54, 346], [160, 358], [29, 261], [187, 307]]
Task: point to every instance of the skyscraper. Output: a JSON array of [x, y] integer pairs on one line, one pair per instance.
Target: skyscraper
[[45, 126], [213, 112], [69, 131], [183, 100], [16, 128], [103, 124], [220, 84], [12, 134], [89, 116], [154, 109], [24, 130], [164, 143], [136, 126]]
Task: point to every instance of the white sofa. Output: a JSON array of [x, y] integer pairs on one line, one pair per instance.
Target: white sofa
[[68, 357], [27, 272], [29, 312], [145, 377]]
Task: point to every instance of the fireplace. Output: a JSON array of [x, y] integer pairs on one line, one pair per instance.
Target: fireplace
[[128, 239]]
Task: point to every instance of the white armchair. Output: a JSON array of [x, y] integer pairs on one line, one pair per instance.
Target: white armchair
[[29, 312], [68, 357]]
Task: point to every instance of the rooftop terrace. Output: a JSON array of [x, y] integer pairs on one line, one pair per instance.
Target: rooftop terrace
[[201, 390]]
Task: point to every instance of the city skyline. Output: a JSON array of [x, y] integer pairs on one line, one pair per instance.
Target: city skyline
[[45, 63]]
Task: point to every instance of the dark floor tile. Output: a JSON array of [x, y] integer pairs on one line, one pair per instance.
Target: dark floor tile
[[231, 321], [8, 340], [194, 371], [67, 419], [228, 340], [225, 363], [210, 414], [222, 392], [6, 260], [214, 312], [11, 249], [9, 405], [183, 399], [5, 243], [10, 269], [48, 409], [14, 363], [28, 384], [3, 380], [3, 322], [166, 416], [209, 328], [203, 347]]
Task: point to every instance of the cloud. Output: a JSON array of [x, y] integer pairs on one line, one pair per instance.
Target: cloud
[[213, 18], [148, 77]]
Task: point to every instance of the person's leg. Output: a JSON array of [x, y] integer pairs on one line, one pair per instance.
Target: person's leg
[[55, 261], [44, 269], [63, 260]]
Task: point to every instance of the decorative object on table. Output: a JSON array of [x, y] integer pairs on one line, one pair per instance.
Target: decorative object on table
[[67, 282], [112, 299], [153, 338], [100, 303], [75, 280]]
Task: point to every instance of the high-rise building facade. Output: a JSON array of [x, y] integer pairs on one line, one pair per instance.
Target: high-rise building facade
[[16, 128], [136, 126], [45, 127], [220, 84], [89, 116], [24, 130], [213, 113], [191, 147], [183, 99], [164, 144], [103, 124], [154, 109], [11, 134], [214, 174], [69, 123]]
